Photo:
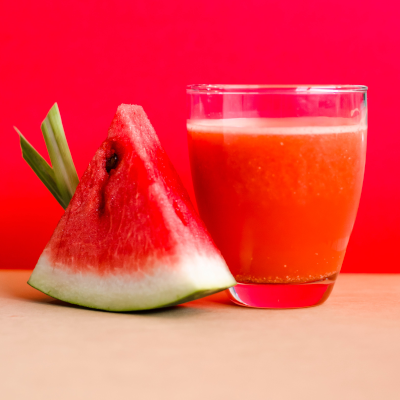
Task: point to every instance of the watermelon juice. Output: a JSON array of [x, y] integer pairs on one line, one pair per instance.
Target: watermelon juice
[[279, 195]]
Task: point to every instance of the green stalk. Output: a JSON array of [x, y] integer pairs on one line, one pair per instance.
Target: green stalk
[[62, 179], [64, 170]]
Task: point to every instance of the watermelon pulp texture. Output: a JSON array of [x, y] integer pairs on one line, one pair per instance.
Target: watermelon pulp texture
[[130, 238]]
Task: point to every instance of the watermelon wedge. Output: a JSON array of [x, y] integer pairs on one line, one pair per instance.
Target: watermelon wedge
[[130, 238]]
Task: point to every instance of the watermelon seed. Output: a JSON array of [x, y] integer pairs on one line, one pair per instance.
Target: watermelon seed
[[111, 163]]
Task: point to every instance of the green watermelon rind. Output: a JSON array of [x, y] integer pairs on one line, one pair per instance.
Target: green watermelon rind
[[193, 277], [194, 296]]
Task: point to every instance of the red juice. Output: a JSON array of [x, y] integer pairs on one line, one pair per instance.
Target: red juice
[[279, 196]]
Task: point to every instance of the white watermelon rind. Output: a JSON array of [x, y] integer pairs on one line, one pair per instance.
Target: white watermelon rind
[[193, 277]]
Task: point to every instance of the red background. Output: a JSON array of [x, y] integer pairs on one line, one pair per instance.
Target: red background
[[90, 56]]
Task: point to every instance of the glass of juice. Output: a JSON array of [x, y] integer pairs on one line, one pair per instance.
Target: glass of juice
[[277, 172]]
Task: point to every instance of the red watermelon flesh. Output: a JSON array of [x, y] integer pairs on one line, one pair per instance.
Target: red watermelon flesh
[[130, 238]]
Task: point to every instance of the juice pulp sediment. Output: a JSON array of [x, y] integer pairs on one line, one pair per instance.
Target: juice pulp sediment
[[279, 196]]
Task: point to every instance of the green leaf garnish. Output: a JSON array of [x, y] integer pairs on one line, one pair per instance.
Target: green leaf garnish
[[62, 179], [40, 168]]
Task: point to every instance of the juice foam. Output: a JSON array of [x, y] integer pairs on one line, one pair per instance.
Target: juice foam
[[276, 126]]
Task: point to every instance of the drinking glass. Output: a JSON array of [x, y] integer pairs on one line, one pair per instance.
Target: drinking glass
[[277, 173]]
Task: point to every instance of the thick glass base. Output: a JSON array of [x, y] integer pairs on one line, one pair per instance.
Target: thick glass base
[[281, 295]]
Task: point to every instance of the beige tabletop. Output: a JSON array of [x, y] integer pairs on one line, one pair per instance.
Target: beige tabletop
[[348, 348]]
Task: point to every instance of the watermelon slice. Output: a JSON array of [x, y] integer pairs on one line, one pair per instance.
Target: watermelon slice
[[130, 238]]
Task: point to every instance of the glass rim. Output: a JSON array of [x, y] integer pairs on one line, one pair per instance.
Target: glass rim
[[273, 89]]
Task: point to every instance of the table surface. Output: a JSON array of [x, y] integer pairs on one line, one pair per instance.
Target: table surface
[[347, 348]]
